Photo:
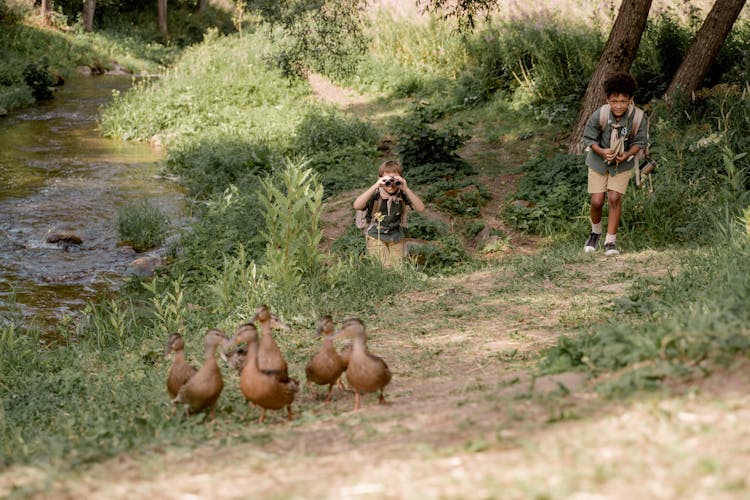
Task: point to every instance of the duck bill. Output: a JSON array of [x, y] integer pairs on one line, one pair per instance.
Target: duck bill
[[341, 334], [230, 342], [277, 324]]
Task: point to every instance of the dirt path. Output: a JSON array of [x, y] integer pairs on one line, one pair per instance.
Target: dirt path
[[466, 417]]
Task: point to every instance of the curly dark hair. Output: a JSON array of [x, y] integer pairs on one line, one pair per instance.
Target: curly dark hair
[[620, 83]]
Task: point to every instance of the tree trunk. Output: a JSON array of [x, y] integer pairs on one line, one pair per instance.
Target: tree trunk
[[88, 15], [705, 46], [618, 55], [200, 5], [162, 7], [44, 11]]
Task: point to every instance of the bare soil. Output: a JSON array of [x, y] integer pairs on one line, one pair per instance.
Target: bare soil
[[466, 416]]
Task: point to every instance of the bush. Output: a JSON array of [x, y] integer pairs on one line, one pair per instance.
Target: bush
[[342, 150], [425, 229], [554, 190], [39, 79], [142, 225], [428, 153]]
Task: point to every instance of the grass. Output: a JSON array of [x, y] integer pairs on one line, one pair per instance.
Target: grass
[[502, 370], [142, 226]]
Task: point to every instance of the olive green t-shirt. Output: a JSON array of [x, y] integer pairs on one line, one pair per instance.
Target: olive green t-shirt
[[389, 228]]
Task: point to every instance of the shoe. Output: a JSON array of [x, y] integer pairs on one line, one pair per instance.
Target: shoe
[[592, 243], [610, 249]]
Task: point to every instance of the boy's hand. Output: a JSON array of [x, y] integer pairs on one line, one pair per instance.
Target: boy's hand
[[608, 154], [399, 178]]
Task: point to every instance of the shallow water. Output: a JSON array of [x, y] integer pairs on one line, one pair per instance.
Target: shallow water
[[58, 174]]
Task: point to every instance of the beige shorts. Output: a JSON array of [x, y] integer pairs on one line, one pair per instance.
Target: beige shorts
[[388, 253], [599, 183]]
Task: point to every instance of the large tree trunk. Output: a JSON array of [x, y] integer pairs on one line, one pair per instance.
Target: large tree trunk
[[618, 55], [162, 7], [88, 15], [705, 46], [44, 11], [200, 5]]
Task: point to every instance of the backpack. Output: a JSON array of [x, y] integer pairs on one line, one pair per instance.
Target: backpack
[[362, 218], [649, 164]]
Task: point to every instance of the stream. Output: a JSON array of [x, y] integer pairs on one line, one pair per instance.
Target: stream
[[57, 174]]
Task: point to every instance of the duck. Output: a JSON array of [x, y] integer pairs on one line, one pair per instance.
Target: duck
[[268, 389], [180, 371], [203, 389], [365, 372], [235, 358], [326, 366], [269, 354]]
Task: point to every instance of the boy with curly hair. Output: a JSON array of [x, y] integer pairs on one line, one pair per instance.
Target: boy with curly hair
[[610, 158]]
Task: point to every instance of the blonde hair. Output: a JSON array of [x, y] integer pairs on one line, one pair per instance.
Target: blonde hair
[[390, 166]]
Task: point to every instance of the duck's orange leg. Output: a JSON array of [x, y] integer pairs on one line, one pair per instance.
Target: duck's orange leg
[[381, 400], [330, 393]]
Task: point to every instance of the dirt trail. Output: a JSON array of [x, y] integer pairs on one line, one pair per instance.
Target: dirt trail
[[466, 417]]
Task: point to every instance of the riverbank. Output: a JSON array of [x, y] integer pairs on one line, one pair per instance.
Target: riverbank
[[60, 176]]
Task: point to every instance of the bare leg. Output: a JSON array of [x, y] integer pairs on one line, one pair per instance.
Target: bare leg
[[615, 209], [356, 400], [262, 416], [289, 412], [597, 204]]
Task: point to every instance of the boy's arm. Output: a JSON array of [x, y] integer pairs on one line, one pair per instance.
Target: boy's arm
[[416, 202], [361, 202], [592, 134]]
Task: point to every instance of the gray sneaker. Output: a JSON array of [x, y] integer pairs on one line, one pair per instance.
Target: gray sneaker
[[610, 250], [592, 243]]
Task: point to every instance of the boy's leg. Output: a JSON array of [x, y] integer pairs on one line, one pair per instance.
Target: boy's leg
[[377, 248], [597, 186], [396, 253], [616, 188]]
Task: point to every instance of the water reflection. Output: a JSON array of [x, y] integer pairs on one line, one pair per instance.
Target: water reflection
[[58, 174]]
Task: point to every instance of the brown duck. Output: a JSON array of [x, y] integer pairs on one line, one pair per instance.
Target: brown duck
[[180, 371], [365, 372], [269, 354], [326, 366], [268, 389], [203, 389]]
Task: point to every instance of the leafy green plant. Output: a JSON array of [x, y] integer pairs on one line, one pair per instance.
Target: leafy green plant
[[423, 228], [428, 153], [106, 324], [291, 202], [440, 256], [38, 77], [464, 198], [142, 225], [554, 190], [169, 307]]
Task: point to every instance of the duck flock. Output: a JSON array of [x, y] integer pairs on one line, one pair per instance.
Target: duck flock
[[263, 373]]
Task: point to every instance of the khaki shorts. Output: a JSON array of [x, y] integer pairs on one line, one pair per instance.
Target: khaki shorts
[[388, 253], [599, 183]]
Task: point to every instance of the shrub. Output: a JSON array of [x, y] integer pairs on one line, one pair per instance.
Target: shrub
[[428, 153], [142, 225], [425, 229], [554, 190], [39, 79]]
